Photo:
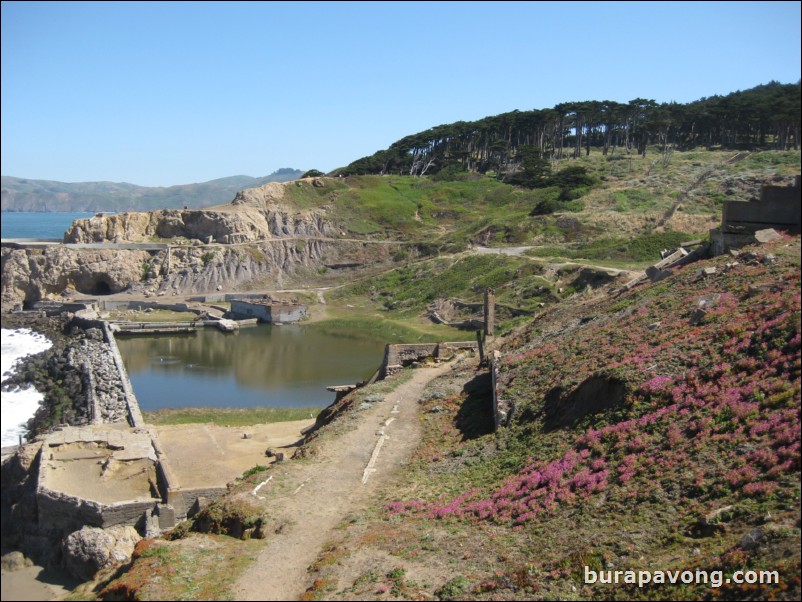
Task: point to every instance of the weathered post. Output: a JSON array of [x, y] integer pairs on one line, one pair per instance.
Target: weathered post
[[490, 312], [480, 342]]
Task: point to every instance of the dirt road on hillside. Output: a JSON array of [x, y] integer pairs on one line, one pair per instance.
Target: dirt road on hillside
[[317, 495]]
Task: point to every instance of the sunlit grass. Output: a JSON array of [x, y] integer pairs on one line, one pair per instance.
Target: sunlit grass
[[228, 416]]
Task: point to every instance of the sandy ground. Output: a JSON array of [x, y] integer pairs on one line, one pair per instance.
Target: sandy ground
[[34, 583], [207, 455], [318, 495], [200, 455]]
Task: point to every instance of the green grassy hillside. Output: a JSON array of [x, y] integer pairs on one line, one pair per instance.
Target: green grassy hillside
[[642, 437], [650, 429], [628, 197]]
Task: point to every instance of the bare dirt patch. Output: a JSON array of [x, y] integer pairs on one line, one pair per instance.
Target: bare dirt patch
[[312, 497], [204, 455]]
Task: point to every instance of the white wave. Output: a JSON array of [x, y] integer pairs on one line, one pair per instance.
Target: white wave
[[17, 407]]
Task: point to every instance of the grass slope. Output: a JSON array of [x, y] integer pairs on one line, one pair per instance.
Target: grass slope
[[644, 434], [642, 439], [628, 199]]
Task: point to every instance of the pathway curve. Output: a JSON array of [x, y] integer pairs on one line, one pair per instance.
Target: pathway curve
[[315, 496]]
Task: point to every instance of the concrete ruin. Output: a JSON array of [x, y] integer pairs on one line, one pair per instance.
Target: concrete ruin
[[778, 208], [396, 357], [268, 310], [98, 476], [490, 312]]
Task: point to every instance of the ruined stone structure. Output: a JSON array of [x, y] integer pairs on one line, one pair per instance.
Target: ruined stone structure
[[398, 356], [779, 208], [490, 312], [269, 311], [98, 476]]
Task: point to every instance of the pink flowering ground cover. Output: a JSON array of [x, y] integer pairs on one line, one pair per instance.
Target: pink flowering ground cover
[[710, 414]]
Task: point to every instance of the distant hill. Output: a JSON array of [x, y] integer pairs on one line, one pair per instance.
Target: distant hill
[[20, 194]]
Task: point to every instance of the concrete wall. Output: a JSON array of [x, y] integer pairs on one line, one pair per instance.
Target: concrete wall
[[779, 207], [269, 312], [108, 305], [69, 513], [398, 356], [185, 501], [502, 410]]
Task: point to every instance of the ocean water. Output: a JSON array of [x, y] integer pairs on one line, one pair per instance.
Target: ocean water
[[20, 224], [17, 407]]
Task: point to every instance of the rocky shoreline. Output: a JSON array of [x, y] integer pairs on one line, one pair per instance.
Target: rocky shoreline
[[77, 375], [81, 385]]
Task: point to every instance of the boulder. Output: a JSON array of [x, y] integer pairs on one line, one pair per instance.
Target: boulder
[[14, 561], [767, 235], [87, 551]]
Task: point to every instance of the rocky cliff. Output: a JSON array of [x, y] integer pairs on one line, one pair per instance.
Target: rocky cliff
[[255, 214], [31, 275], [256, 241]]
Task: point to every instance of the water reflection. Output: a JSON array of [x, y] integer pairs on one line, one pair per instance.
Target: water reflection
[[260, 366]]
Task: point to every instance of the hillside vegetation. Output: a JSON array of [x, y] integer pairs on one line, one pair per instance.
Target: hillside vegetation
[[654, 429], [616, 199], [642, 437]]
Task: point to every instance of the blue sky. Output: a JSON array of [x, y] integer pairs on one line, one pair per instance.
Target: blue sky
[[162, 93]]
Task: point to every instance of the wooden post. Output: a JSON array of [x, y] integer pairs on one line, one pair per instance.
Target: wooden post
[[481, 347], [490, 312]]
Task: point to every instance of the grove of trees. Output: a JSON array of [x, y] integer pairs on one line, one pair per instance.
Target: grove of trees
[[515, 145]]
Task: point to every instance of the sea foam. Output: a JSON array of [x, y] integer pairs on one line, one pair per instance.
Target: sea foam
[[17, 407]]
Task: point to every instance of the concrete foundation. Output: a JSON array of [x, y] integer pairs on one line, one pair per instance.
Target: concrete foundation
[[268, 311], [779, 208], [398, 356], [101, 476]]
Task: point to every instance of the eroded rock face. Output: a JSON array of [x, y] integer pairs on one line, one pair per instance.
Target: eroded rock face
[[87, 551], [255, 214], [256, 241], [31, 275]]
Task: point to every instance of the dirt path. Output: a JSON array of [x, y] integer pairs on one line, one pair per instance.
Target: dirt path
[[317, 495]]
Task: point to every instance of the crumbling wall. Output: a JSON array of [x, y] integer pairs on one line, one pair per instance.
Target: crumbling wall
[[779, 208], [69, 513], [398, 356]]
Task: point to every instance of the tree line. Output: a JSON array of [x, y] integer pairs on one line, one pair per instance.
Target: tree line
[[766, 116]]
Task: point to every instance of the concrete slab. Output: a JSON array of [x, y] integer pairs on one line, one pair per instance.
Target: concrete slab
[[109, 464], [207, 455]]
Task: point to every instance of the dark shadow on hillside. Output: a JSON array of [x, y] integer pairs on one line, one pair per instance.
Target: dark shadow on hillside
[[475, 415], [594, 395]]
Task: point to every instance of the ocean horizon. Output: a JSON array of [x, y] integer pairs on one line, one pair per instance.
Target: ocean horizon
[[38, 224]]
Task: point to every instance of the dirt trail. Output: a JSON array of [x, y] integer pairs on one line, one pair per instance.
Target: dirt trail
[[317, 495]]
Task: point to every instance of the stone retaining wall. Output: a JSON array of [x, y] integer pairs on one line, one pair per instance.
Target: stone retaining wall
[[69, 513], [114, 375], [398, 356], [134, 413]]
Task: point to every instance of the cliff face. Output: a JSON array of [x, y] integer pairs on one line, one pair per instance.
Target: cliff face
[[255, 214], [31, 275], [257, 241]]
